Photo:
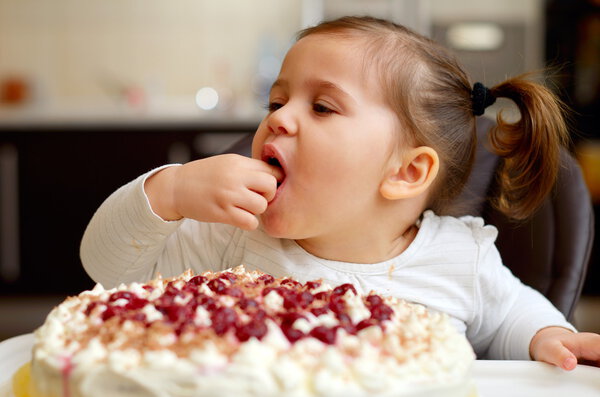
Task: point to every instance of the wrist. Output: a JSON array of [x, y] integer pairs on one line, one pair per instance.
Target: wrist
[[159, 189]]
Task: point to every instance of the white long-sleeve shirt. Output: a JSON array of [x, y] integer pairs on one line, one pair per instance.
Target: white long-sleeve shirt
[[452, 266]]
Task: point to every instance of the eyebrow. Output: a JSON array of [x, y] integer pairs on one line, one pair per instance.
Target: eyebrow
[[318, 83]]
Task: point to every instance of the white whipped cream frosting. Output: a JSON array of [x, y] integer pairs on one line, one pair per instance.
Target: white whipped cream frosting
[[419, 354]]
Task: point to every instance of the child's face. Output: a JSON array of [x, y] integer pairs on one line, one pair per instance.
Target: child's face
[[333, 134]]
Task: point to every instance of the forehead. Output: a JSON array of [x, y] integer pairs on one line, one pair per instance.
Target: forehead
[[331, 57]]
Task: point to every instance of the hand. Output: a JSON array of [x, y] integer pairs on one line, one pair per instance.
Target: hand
[[563, 348], [229, 188]]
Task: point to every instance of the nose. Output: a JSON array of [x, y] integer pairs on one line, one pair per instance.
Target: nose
[[283, 121]]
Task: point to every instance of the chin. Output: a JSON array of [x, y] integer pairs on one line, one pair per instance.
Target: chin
[[274, 230], [275, 227]]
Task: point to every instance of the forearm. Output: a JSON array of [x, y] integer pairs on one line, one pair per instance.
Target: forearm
[[124, 239], [531, 313]]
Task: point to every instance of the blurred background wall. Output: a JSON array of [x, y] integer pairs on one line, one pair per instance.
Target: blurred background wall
[[95, 92], [152, 56]]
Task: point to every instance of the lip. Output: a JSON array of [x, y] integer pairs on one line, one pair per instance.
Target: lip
[[271, 151]]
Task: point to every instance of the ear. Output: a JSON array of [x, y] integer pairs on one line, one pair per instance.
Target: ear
[[413, 176]]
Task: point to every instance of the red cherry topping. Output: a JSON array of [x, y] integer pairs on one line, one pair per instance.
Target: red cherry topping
[[246, 317], [247, 304], [121, 295], [198, 280], [217, 286], [318, 311], [234, 292], [256, 328], [291, 282], [341, 290], [223, 319], [324, 334], [227, 276], [312, 284], [266, 279], [297, 300], [323, 295]]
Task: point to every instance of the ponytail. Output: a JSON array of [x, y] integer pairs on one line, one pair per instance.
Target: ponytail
[[529, 148]]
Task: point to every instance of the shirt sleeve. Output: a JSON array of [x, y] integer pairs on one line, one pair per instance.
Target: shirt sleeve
[[508, 313]]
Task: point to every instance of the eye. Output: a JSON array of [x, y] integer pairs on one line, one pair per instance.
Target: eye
[[273, 106], [322, 109]]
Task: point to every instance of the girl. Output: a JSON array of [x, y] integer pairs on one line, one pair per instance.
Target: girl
[[369, 136]]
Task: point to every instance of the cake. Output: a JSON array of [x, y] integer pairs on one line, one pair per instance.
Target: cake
[[241, 333]]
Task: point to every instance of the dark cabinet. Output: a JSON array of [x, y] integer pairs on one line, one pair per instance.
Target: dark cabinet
[[53, 178]]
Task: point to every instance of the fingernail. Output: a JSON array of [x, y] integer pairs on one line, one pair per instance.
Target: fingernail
[[570, 363]]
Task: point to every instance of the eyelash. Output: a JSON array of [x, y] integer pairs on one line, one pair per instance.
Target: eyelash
[[317, 107], [273, 106]]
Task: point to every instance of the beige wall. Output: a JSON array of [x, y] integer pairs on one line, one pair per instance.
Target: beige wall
[[82, 49], [82, 54]]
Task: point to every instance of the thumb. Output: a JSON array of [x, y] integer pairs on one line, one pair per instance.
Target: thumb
[[556, 353]]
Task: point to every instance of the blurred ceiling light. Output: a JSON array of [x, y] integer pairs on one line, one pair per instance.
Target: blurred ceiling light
[[475, 36], [207, 98]]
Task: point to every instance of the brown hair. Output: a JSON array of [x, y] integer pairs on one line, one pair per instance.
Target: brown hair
[[431, 94]]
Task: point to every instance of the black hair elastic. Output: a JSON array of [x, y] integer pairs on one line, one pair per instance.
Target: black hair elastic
[[481, 97]]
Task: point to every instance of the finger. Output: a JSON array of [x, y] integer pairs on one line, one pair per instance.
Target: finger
[[273, 170], [556, 353], [253, 202], [264, 184], [585, 345], [277, 172], [243, 219], [263, 166]]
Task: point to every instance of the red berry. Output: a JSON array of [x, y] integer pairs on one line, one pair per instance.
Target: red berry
[[217, 286], [289, 281], [337, 304], [292, 334], [112, 311], [140, 317], [136, 303], [207, 302], [254, 328], [197, 280], [288, 319], [178, 313], [121, 295], [341, 290], [234, 292], [365, 324], [266, 279], [323, 295], [223, 319], [346, 323], [374, 300], [312, 284], [324, 334], [297, 300], [246, 304], [318, 311], [381, 312], [231, 277]]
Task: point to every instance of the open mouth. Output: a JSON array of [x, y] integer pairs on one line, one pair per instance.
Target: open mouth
[[271, 160], [272, 156]]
